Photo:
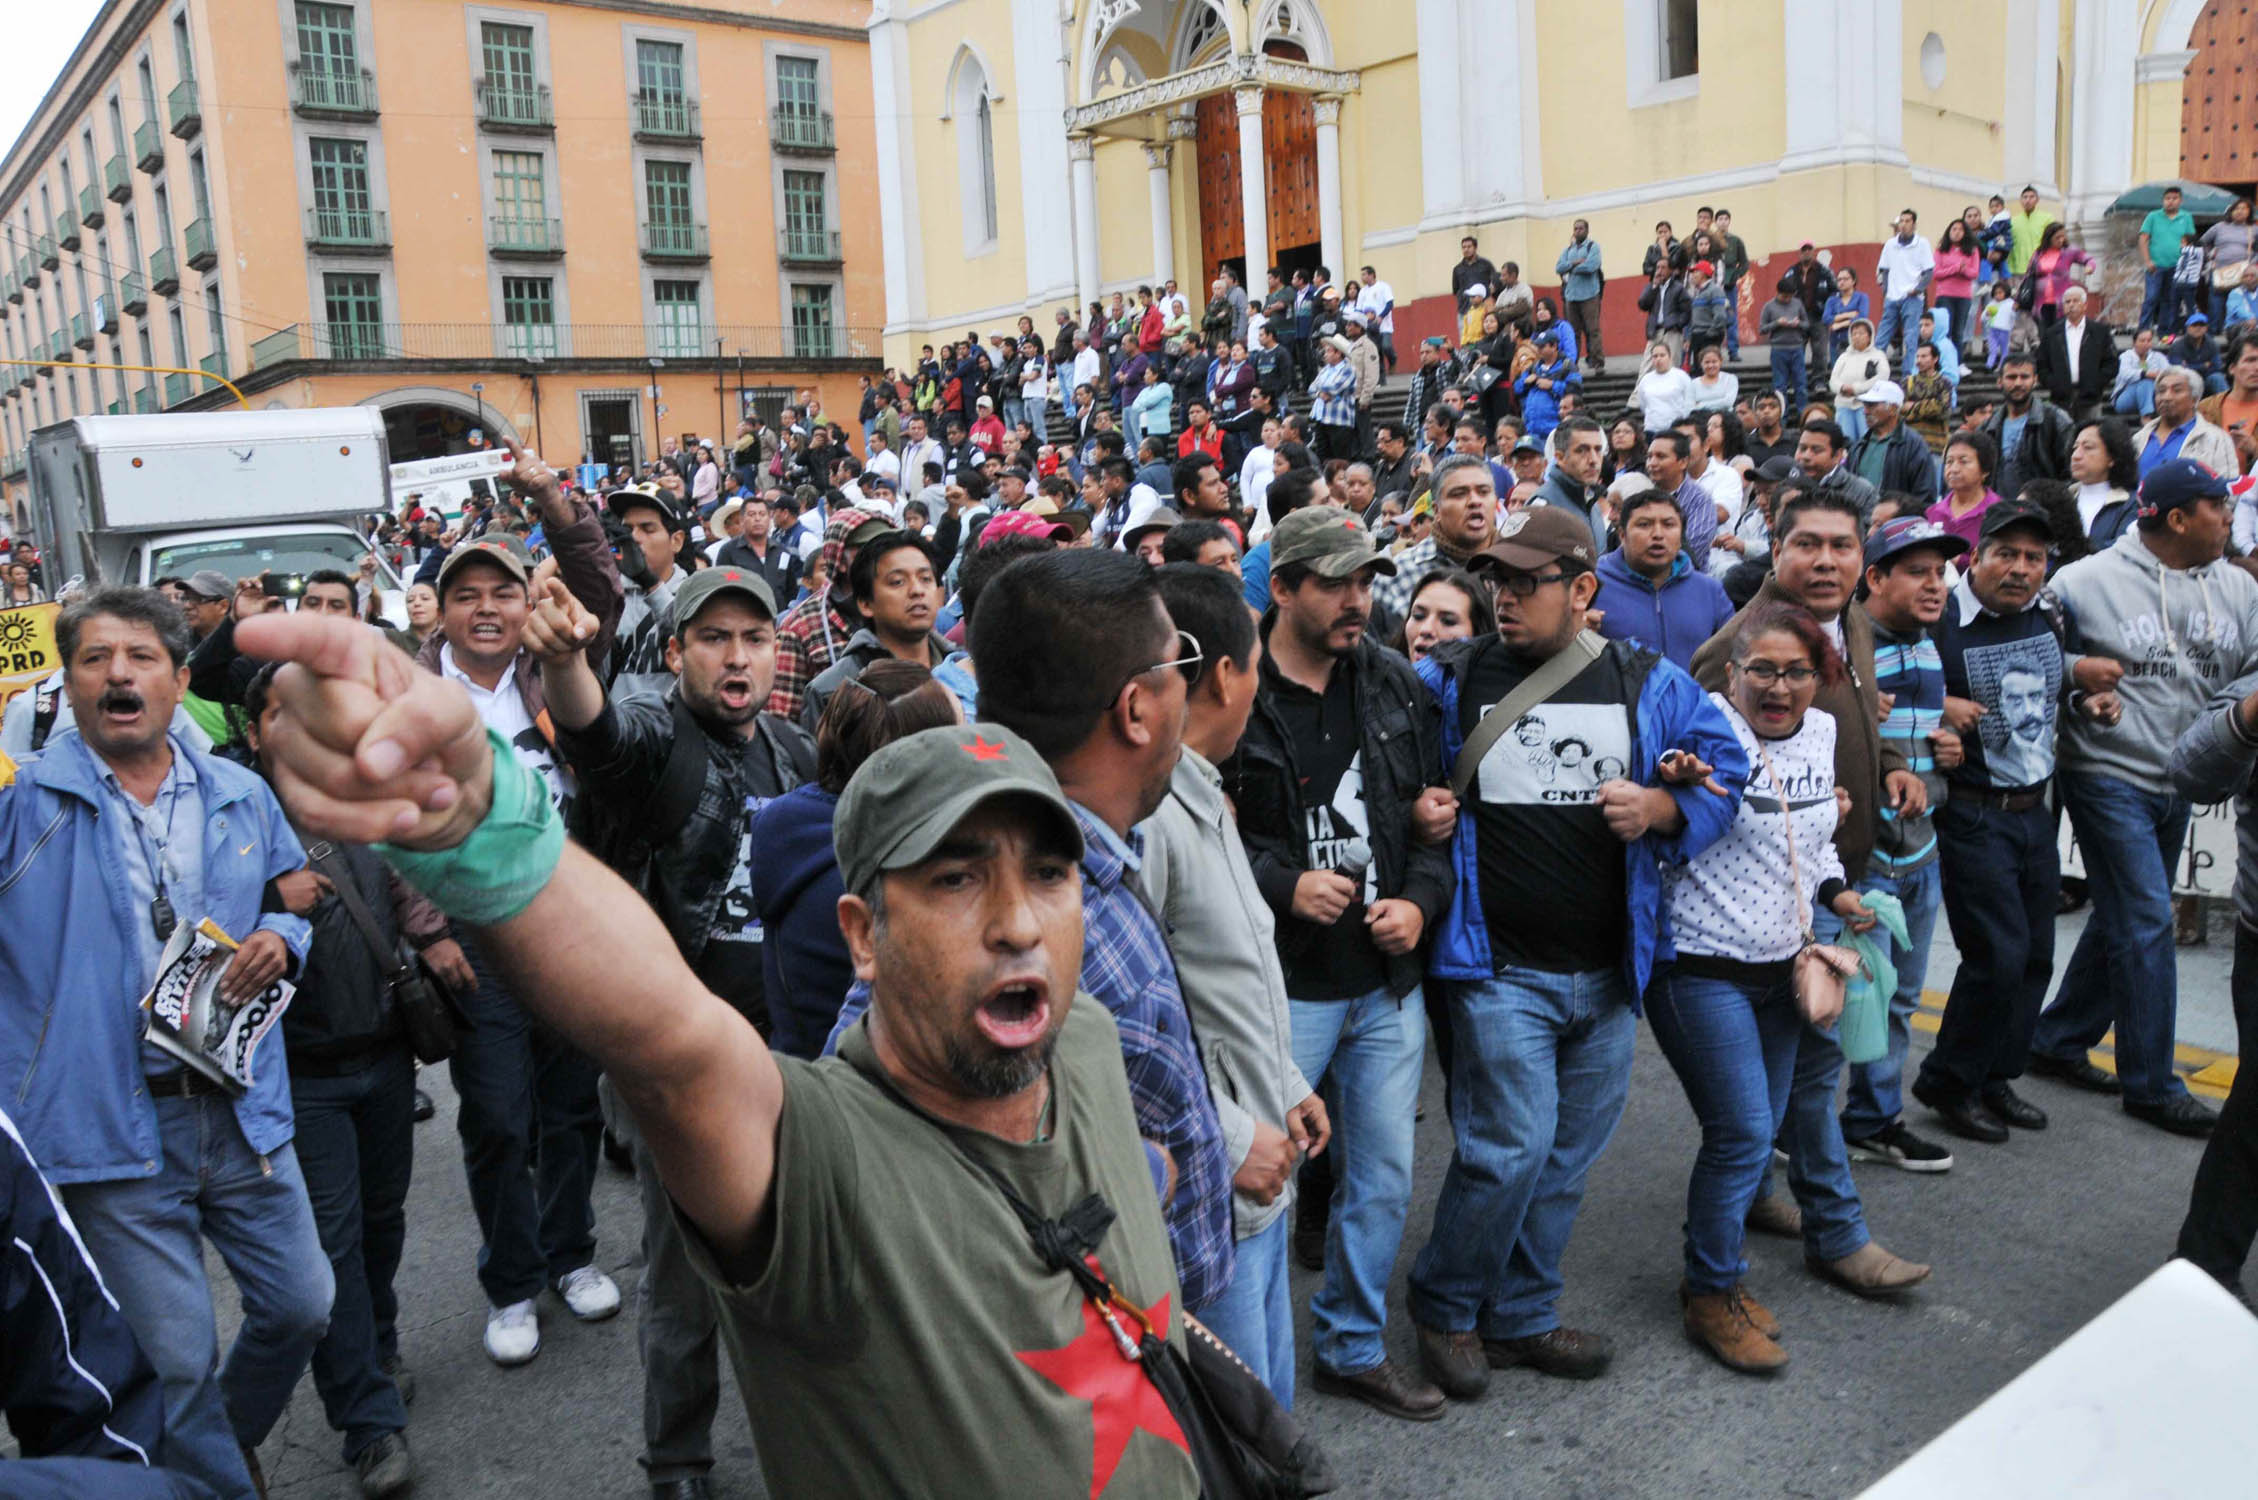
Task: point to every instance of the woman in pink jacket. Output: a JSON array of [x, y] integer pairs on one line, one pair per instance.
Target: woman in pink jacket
[[2051, 265], [1955, 280]]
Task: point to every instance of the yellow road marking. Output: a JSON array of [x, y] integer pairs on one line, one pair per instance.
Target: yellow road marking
[[2208, 1073]]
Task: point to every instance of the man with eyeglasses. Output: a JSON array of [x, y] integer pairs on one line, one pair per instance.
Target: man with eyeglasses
[[1817, 557], [1339, 748], [1562, 834]]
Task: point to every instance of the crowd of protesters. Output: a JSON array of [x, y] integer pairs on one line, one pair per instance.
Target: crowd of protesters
[[1015, 875]]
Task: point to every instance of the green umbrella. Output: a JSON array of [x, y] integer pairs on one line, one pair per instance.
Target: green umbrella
[[2198, 198]]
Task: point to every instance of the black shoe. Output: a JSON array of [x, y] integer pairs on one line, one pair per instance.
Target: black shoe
[[616, 1152], [1895, 1145], [2181, 1114], [2078, 1072], [696, 1487], [2012, 1107], [383, 1467], [403, 1378], [1964, 1114], [424, 1108]]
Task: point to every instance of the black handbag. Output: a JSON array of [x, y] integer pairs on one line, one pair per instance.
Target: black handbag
[[1243, 1444], [435, 1023]]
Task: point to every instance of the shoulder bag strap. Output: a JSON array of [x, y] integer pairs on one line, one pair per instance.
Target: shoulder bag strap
[[322, 856], [1795, 867], [1534, 689]]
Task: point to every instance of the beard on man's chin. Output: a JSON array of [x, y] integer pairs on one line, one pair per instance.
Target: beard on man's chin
[[997, 1075]]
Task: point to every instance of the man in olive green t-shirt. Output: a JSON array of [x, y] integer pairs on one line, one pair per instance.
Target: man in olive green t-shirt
[[893, 1329]]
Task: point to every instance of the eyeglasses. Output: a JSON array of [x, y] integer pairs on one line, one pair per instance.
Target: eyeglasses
[[1189, 662], [1522, 585], [1764, 674]]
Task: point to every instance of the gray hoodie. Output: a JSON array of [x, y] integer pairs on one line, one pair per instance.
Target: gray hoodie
[[2182, 634], [2214, 761], [1222, 935]]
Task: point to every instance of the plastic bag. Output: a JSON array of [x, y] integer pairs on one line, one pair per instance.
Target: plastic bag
[[1864, 1031]]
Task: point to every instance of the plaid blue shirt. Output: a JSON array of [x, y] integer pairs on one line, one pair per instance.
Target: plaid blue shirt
[[1126, 967], [1332, 396]]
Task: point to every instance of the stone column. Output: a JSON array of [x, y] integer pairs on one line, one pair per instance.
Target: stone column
[[1082, 169], [1334, 247], [1164, 225], [1254, 198]]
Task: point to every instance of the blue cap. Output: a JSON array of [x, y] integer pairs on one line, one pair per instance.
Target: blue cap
[[2183, 481], [1904, 534]]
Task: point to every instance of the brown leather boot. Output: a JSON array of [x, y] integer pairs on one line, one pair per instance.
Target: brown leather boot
[[1776, 1215], [1759, 1316], [1870, 1271], [1453, 1360], [1718, 1321], [1388, 1388]]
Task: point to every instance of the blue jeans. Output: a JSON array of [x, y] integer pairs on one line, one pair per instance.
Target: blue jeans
[[2160, 301], [356, 1146], [1834, 1219], [2138, 398], [1038, 417], [1371, 1049], [2002, 875], [1255, 1314], [1541, 1065], [1851, 419], [1788, 373], [1902, 316], [518, 1079], [1732, 290], [2125, 969], [146, 1234], [1733, 1046], [1877, 1089]]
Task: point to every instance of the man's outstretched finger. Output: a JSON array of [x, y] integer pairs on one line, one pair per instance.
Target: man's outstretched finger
[[334, 770], [352, 822], [326, 645]]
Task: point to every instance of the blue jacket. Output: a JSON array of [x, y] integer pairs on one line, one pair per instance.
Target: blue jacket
[[796, 890], [1675, 619], [1579, 271], [1540, 408], [1672, 714], [70, 980]]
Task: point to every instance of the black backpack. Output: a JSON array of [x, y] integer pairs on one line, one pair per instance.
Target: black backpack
[[625, 838]]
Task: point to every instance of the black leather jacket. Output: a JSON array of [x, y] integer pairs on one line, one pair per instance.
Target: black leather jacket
[[621, 759], [1401, 748]]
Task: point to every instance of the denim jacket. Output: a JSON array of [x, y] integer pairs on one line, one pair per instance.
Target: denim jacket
[[70, 1034]]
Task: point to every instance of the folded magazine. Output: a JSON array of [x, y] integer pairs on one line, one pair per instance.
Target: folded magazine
[[186, 1016]]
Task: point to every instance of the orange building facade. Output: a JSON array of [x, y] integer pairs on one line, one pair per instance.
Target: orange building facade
[[579, 225]]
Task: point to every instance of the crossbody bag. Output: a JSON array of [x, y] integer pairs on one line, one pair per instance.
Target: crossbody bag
[[1821, 970], [434, 1022]]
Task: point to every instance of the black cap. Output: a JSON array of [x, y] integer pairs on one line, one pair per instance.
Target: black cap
[[2180, 482], [618, 501], [2009, 513], [1778, 469]]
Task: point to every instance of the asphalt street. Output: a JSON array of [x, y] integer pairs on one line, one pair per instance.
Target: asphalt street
[[2029, 1241]]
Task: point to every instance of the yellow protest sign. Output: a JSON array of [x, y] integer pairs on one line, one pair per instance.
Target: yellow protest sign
[[27, 647]]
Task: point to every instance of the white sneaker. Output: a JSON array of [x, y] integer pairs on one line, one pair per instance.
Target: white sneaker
[[513, 1333], [590, 1294]]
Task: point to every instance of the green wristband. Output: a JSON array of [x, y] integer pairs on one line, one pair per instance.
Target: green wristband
[[495, 873]]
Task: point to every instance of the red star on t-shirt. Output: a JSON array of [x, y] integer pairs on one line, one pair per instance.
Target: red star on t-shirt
[[982, 749], [1090, 1368]]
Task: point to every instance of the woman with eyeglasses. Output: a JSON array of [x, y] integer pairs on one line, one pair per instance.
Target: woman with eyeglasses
[[1724, 1009]]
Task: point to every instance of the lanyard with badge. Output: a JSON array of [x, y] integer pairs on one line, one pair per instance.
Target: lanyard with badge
[[154, 848]]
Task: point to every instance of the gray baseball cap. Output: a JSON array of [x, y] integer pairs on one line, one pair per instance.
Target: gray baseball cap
[[211, 583], [905, 799], [701, 588]]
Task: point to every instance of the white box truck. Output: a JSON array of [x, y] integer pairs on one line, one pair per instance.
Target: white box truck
[[131, 499]]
